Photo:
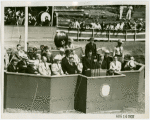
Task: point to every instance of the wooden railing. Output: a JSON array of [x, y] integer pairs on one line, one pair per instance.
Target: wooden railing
[[126, 34]]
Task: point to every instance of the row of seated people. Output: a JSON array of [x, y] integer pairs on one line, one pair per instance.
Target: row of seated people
[[40, 63], [122, 25], [67, 62]]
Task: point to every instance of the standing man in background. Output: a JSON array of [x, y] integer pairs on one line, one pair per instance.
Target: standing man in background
[[121, 11], [128, 16], [91, 46]]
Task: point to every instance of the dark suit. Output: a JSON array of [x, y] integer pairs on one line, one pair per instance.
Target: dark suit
[[22, 65], [66, 67], [89, 64], [91, 47], [64, 64], [106, 62], [11, 68], [31, 70], [72, 69]]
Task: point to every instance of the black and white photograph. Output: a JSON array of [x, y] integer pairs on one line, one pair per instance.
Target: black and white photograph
[[81, 59]]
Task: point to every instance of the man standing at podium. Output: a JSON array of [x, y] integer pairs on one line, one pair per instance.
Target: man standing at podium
[[91, 46]]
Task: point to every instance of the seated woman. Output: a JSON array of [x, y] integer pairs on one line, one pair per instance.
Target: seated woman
[[115, 65], [56, 67], [12, 67], [131, 64], [44, 67]]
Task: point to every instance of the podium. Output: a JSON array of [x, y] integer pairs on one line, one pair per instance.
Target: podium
[[102, 93]]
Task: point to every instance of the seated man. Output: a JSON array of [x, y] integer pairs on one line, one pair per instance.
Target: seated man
[[71, 68], [131, 64], [22, 65], [12, 67], [44, 68], [56, 66], [20, 53], [65, 61], [106, 61], [32, 69], [115, 65]]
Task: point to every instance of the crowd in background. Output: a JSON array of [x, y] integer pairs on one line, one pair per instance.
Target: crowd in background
[[13, 17], [122, 25], [67, 61], [17, 17]]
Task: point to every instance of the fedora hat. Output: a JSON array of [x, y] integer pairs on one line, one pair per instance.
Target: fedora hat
[[120, 41]]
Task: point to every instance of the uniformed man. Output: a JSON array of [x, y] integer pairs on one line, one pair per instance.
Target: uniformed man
[[118, 51]]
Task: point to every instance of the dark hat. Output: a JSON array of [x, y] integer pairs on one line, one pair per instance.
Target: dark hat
[[67, 52], [92, 38], [14, 59]]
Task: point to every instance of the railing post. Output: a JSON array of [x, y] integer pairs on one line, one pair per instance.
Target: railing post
[[56, 19], [77, 34], [108, 35], [134, 35], [93, 32], [126, 35]]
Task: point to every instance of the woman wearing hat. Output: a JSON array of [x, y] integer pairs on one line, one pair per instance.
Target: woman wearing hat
[[131, 64], [56, 66], [44, 68], [118, 51]]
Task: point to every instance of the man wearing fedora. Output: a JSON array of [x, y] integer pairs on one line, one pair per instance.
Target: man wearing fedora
[[118, 51], [91, 46], [106, 61]]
